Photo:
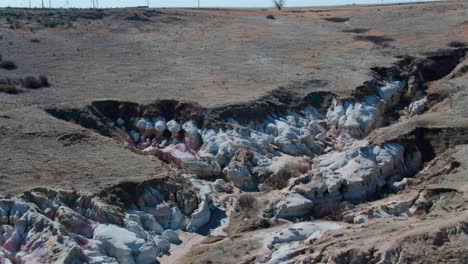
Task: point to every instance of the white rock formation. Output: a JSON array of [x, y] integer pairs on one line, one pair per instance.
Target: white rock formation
[[355, 175], [119, 242], [391, 92], [200, 217], [418, 107], [285, 241], [356, 119], [240, 176], [360, 219], [290, 204], [72, 228]]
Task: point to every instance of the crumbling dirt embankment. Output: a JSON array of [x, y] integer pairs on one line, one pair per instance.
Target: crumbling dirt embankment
[[416, 73]]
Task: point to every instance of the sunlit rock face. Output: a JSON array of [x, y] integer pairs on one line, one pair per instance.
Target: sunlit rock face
[[355, 175]]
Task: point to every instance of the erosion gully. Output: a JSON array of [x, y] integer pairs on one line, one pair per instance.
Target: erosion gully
[[304, 158]]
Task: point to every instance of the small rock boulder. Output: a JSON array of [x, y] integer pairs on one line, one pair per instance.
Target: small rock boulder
[[171, 236]]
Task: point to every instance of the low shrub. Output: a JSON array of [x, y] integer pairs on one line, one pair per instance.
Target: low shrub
[[457, 44], [8, 81], [377, 40], [31, 82], [44, 80], [356, 30], [92, 15], [247, 203], [138, 17], [54, 22], [152, 13], [8, 65], [336, 19], [9, 89]]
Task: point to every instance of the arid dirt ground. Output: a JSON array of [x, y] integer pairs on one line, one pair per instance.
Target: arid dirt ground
[[216, 58], [212, 57]]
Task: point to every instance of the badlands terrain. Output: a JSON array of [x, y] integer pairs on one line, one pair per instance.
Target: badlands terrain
[[311, 135]]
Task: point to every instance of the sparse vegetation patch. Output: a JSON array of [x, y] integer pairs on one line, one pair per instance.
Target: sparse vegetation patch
[[356, 30], [31, 82], [152, 13], [9, 89], [8, 65], [377, 40], [18, 18], [336, 19], [138, 17]]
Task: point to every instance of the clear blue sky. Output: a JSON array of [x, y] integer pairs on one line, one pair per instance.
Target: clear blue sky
[[188, 3]]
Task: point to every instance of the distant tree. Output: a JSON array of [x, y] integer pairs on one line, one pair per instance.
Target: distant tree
[[279, 4]]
